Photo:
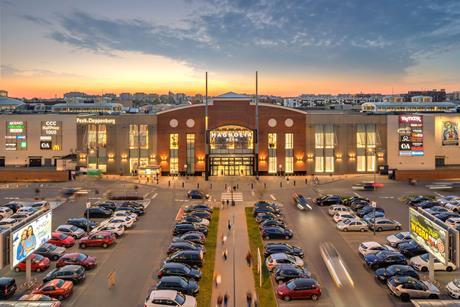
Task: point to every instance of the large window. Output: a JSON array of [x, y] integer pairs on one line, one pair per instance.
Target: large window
[[144, 136], [133, 137], [366, 142], [174, 153], [231, 140], [92, 136], [289, 147], [190, 153], [272, 153], [324, 148], [97, 143]]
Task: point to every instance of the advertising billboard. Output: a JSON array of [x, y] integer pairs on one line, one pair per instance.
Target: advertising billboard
[[15, 137], [410, 135], [429, 235], [51, 135], [29, 237], [449, 133]]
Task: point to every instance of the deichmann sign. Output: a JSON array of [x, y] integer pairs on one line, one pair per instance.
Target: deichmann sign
[[28, 238], [429, 235], [91, 120]]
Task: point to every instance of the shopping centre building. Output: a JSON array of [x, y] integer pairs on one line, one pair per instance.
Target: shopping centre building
[[236, 137]]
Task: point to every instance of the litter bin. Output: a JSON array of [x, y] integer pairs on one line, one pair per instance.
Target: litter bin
[[392, 174]]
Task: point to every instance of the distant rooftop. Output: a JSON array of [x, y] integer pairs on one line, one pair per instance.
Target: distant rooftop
[[232, 95]]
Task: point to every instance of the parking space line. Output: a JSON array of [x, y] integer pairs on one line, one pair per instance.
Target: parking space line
[[357, 194], [273, 197], [154, 195], [439, 194]]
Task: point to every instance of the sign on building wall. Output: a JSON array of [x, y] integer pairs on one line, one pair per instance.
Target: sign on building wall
[[16, 134], [411, 135], [91, 120], [449, 133], [51, 135]]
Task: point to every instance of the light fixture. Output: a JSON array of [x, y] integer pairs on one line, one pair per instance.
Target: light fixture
[[310, 156], [124, 156], [351, 155], [111, 156], [338, 156]]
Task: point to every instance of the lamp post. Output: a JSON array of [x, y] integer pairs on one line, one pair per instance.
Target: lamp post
[[185, 169], [280, 169]]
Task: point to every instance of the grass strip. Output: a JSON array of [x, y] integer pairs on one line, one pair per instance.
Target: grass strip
[[265, 293], [206, 282]]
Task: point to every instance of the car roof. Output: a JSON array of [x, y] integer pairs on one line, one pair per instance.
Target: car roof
[[70, 267], [279, 256], [163, 294], [371, 244]]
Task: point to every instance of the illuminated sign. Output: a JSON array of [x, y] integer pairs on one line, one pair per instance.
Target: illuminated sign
[[429, 235], [46, 145], [51, 135], [410, 133], [28, 238], [50, 127], [92, 120], [15, 137]]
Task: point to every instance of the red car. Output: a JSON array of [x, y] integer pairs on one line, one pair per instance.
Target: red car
[[38, 264], [100, 238], [61, 239], [84, 260], [299, 288], [56, 288]]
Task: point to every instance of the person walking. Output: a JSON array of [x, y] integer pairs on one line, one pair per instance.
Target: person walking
[[249, 298], [229, 225], [225, 299], [218, 280], [219, 300], [224, 239], [249, 258], [225, 254]]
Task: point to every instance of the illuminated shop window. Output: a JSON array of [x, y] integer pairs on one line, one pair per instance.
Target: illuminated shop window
[[133, 137], [190, 153], [272, 162], [366, 143], [174, 153], [289, 147], [324, 148]]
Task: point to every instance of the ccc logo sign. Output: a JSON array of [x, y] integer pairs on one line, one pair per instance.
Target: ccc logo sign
[[51, 123]]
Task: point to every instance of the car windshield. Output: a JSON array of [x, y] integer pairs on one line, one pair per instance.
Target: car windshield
[[291, 285], [456, 282], [425, 257], [347, 222], [62, 236], [81, 257], [400, 235], [180, 298], [59, 283], [50, 247], [391, 270], [74, 228]]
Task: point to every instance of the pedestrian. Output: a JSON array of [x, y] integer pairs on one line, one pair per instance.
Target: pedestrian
[[249, 298], [225, 300], [224, 239], [227, 202], [229, 225], [218, 280], [219, 300], [256, 303], [249, 258], [225, 254]]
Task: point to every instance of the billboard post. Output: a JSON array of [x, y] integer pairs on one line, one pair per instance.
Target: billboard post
[[28, 268], [430, 266]]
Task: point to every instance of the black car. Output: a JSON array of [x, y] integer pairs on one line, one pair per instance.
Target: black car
[[107, 205], [202, 207], [13, 206], [276, 233], [411, 249], [183, 245], [50, 251], [260, 210], [445, 215], [267, 216], [354, 199], [286, 272], [7, 287], [197, 194], [82, 223], [139, 212], [384, 259], [192, 219], [97, 212], [426, 204], [192, 258], [269, 223], [329, 200], [179, 269], [200, 213], [273, 248], [417, 199], [192, 236], [383, 274], [263, 203], [182, 228], [133, 204], [188, 287], [74, 273], [358, 205], [368, 209]]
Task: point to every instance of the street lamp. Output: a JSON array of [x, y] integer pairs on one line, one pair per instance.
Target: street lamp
[[281, 169], [185, 169]]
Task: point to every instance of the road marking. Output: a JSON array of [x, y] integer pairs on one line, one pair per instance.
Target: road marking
[[387, 197], [356, 194], [439, 194], [236, 196], [154, 195], [273, 197], [182, 200], [180, 214], [11, 198]]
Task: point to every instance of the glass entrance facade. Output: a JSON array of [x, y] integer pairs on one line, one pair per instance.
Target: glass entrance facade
[[231, 166]]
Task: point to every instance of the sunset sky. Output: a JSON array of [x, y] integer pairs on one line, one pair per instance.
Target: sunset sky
[[49, 47]]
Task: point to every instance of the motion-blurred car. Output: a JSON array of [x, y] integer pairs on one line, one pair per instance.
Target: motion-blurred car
[[88, 262], [301, 202], [352, 225], [406, 288], [61, 239], [383, 274], [56, 288], [50, 251], [299, 288], [38, 264], [158, 298], [364, 186], [420, 263]]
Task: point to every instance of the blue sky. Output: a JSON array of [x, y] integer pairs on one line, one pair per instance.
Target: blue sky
[[298, 46]]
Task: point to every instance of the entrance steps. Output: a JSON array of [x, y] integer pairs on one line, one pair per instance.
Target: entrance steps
[[237, 196]]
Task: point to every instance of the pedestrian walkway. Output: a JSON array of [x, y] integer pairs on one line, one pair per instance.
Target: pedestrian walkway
[[234, 272], [236, 196]]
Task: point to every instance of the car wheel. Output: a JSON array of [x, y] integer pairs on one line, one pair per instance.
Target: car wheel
[[55, 257], [314, 297], [267, 237], [405, 297], [398, 227], [449, 269], [16, 269], [287, 237], [60, 297], [424, 269], [104, 245], [38, 270], [363, 229], [287, 298], [345, 229], [83, 245], [433, 297], [379, 229]]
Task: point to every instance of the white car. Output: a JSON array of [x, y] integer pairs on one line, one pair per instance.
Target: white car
[[447, 199], [274, 260], [5, 212], [117, 228], [453, 222], [340, 216], [453, 205], [338, 208], [420, 263], [160, 298], [125, 220], [372, 247], [397, 238], [71, 230], [8, 222], [453, 288], [125, 213], [26, 210]]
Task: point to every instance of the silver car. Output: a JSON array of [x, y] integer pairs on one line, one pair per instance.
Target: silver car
[[352, 225], [383, 223], [71, 230], [406, 288]]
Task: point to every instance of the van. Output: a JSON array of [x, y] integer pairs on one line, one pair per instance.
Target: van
[[190, 257], [7, 287]]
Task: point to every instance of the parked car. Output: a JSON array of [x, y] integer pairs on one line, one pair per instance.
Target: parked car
[[411, 249], [328, 200], [357, 205], [399, 237], [274, 248], [383, 223], [194, 236], [417, 199], [61, 239], [197, 194], [420, 263], [109, 206], [384, 259], [13, 206], [5, 212], [138, 212], [101, 238], [56, 288], [41, 205], [179, 269], [276, 233], [274, 260], [158, 298], [117, 229], [453, 222], [8, 222], [201, 213], [50, 251], [195, 219], [338, 208], [354, 199], [191, 257], [352, 225], [426, 204], [285, 272], [127, 222], [406, 288], [82, 223], [88, 262], [176, 246], [267, 216], [40, 298], [372, 247], [368, 209], [97, 212], [446, 215], [340, 216], [181, 228], [259, 210], [178, 283], [8, 287], [272, 223], [38, 264], [369, 218], [133, 204], [263, 203], [19, 216], [436, 209], [71, 230], [383, 274], [453, 206], [203, 207], [26, 210], [74, 273], [299, 288], [453, 288], [447, 199]]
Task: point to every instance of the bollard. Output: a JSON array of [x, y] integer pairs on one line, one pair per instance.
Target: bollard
[[252, 186], [237, 186], [226, 186], [233, 202], [294, 182], [211, 186], [169, 183], [281, 184], [306, 181], [265, 185], [182, 184], [197, 185]]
